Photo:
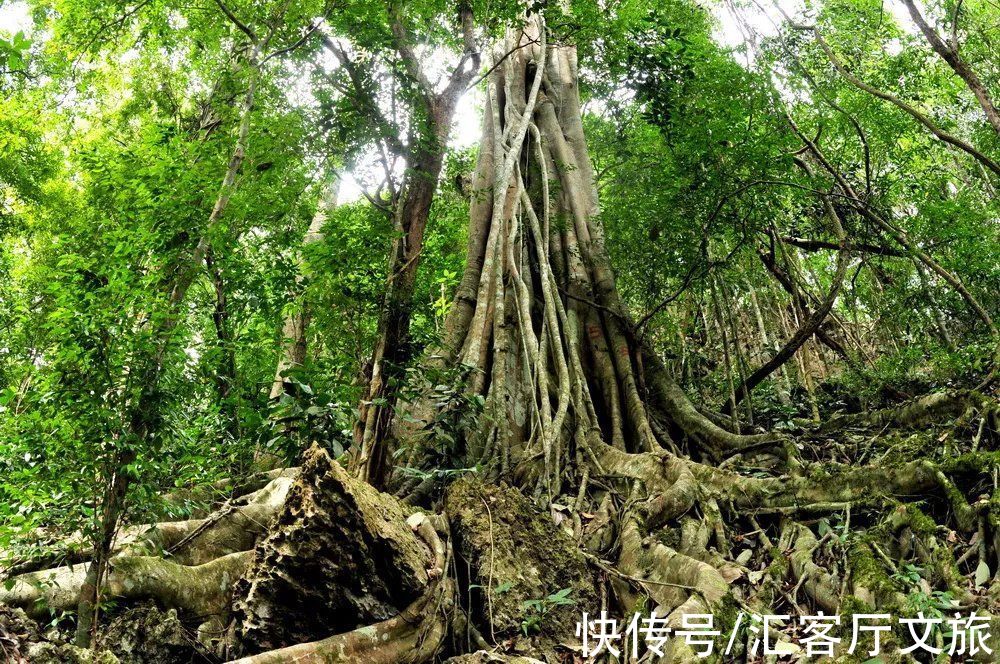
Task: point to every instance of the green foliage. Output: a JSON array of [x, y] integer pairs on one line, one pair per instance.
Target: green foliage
[[457, 413], [535, 610], [118, 122], [301, 417], [938, 604], [837, 525], [907, 575], [13, 52]]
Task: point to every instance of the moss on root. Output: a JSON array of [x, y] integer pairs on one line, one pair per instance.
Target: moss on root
[[516, 553], [867, 571], [147, 635]]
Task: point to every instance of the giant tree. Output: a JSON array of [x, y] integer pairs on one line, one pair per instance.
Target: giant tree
[[550, 451]]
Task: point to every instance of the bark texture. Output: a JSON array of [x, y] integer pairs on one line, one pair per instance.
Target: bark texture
[[340, 555]]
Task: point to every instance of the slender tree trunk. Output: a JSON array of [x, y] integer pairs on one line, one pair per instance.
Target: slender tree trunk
[[225, 375], [730, 406], [766, 344], [392, 349], [936, 315], [811, 325], [296, 324], [429, 137], [734, 329], [142, 414]]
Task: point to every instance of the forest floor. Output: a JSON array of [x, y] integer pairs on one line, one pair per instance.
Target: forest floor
[[311, 556]]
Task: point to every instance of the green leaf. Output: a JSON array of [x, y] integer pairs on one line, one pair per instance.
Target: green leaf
[[982, 574]]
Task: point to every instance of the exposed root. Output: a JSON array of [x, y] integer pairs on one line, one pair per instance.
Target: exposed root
[[233, 527], [821, 586], [191, 566], [716, 441], [201, 590], [484, 657], [920, 410]]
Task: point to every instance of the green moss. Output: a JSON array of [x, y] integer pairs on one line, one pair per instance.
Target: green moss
[[726, 612], [669, 537], [866, 570], [849, 607], [641, 606], [920, 523], [994, 509], [510, 543], [852, 605], [971, 463], [778, 569]]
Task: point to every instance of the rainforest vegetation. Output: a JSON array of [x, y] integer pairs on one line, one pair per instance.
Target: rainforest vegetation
[[385, 331]]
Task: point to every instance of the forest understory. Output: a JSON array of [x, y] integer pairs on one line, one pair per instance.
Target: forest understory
[[642, 386], [887, 511]]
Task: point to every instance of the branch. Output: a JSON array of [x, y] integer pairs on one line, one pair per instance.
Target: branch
[[402, 43], [902, 105], [236, 21], [863, 247], [680, 291], [858, 129], [119, 21], [460, 77], [895, 232], [954, 26], [298, 42], [950, 55], [362, 97]]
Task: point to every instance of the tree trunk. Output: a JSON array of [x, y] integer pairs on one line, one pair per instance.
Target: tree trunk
[[392, 349], [949, 53], [225, 375], [293, 331], [537, 317], [431, 124]]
